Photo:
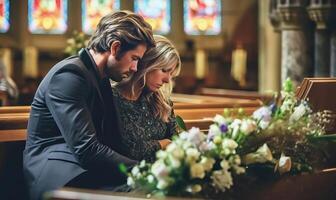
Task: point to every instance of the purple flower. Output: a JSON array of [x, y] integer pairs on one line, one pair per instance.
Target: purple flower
[[223, 128]]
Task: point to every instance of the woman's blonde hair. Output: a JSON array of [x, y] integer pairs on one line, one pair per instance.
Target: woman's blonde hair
[[163, 55]]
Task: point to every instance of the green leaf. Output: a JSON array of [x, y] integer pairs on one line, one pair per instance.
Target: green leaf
[[288, 85], [180, 123], [123, 168]]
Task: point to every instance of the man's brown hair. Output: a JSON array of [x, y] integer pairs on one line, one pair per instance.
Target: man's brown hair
[[126, 27]]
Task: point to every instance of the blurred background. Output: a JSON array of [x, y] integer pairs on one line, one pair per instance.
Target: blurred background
[[249, 45]]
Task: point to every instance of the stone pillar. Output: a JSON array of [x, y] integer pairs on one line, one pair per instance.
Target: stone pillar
[[333, 38], [269, 47], [296, 40], [333, 53], [320, 12]]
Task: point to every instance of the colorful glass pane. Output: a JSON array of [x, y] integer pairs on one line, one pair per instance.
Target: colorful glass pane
[[94, 10], [4, 16], [47, 16], [202, 17], [156, 13]]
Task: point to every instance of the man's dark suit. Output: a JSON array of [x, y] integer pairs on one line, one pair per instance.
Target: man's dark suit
[[68, 131]]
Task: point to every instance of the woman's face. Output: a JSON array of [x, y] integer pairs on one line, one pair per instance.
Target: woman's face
[[156, 78]]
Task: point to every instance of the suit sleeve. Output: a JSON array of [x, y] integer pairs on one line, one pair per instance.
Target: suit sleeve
[[66, 99]]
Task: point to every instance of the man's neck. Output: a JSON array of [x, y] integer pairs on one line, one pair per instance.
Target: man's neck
[[100, 59]]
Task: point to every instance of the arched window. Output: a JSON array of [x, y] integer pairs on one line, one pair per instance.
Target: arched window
[[156, 13], [47, 16], [4, 16], [94, 10], [202, 17]]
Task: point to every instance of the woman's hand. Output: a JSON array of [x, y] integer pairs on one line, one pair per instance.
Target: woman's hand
[[164, 143]]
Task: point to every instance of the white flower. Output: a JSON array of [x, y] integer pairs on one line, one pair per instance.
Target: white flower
[[235, 160], [299, 111], [285, 164], [130, 181], [229, 143], [150, 178], [162, 184], [161, 154], [248, 126], [197, 171], [235, 125], [159, 169], [224, 164], [142, 164], [136, 171], [262, 155], [194, 136], [221, 179], [213, 131], [263, 113], [194, 188], [207, 163], [219, 119], [192, 154], [175, 151], [263, 124], [174, 163], [264, 116], [238, 169], [204, 146]]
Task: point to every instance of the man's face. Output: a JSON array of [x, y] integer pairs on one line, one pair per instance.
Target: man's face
[[126, 65]]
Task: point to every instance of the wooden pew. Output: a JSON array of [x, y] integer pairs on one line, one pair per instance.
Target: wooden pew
[[240, 94], [318, 185], [14, 109], [196, 110]]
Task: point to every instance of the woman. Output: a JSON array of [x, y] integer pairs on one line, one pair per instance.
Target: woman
[[146, 113], [8, 86]]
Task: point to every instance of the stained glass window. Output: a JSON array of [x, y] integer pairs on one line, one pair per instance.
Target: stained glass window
[[47, 16], [156, 13], [202, 17], [94, 10], [4, 16]]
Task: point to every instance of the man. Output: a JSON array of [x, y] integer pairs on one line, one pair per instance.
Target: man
[[69, 131]]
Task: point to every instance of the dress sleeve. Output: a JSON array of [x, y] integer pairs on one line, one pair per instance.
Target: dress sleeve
[[66, 99]]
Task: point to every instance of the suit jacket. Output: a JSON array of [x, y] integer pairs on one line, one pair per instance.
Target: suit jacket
[[69, 129]]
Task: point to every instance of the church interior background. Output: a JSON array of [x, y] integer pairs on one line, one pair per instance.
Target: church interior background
[[243, 45]]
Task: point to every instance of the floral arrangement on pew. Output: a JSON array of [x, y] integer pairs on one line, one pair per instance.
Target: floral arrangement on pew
[[77, 41], [286, 137]]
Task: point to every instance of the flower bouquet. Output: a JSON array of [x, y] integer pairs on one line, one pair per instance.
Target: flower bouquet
[[78, 41], [284, 137]]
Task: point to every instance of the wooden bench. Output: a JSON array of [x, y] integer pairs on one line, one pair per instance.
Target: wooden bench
[[240, 94], [14, 109], [13, 125], [318, 185]]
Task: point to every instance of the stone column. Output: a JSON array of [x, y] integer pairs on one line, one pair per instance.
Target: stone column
[[269, 47], [320, 12], [333, 53], [296, 40], [333, 39]]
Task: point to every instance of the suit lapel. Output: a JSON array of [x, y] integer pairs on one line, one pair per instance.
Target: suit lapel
[[91, 69]]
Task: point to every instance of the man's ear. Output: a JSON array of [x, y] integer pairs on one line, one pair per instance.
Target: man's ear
[[115, 47]]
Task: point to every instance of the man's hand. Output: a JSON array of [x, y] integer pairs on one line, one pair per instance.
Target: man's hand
[[164, 143]]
